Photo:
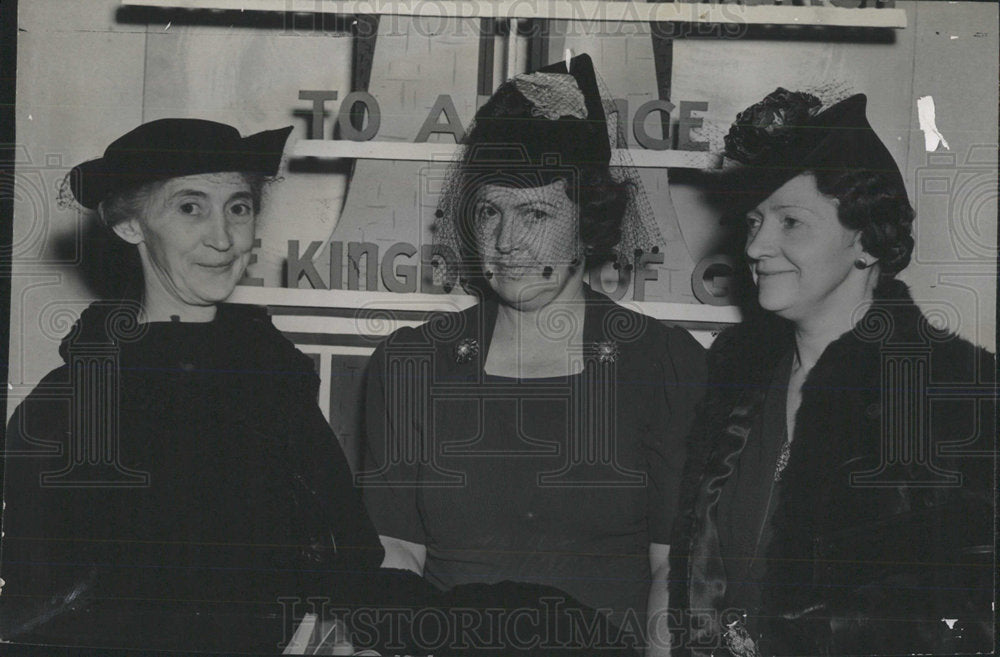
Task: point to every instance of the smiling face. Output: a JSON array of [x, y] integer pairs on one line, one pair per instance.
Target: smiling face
[[801, 256], [522, 234], [194, 238]]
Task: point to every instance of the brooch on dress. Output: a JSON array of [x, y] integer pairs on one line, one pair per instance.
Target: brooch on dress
[[466, 350], [738, 640], [607, 351]]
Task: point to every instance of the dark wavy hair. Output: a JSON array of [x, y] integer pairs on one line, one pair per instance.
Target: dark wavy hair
[[602, 201], [878, 206]]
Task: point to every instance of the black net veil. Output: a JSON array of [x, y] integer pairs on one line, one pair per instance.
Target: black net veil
[[549, 130]]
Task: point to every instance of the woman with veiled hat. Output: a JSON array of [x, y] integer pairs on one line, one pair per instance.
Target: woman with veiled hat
[[538, 436], [175, 479], [829, 506]]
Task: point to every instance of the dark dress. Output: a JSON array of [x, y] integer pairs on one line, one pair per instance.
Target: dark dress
[[560, 481], [750, 496], [210, 490]]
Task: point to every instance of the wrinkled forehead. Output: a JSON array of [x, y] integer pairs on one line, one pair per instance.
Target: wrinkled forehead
[[220, 182], [800, 191], [477, 174], [498, 193], [215, 188]]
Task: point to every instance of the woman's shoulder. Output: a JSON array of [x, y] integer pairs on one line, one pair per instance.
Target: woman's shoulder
[[750, 347], [437, 329], [623, 324], [252, 328], [664, 341], [958, 360], [898, 323], [44, 413]]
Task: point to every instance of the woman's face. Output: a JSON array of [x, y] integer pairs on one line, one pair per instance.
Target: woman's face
[[800, 255], [528, 239], [196, 233]]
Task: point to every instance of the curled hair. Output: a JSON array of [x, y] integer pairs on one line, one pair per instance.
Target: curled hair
[[602, 201], [877, 205], [124, 205]]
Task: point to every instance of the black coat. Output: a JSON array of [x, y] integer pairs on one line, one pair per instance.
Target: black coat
[[869, 565], [218, 489]]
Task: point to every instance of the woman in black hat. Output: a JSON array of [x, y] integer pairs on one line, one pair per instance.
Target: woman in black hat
[[827, 508], [175, 479], [538, 436]]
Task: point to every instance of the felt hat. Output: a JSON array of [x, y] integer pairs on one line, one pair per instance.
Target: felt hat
[[172, 148], [786, 134], [552, 115]]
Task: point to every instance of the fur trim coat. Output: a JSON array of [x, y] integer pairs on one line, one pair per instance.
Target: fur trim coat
[[884, 524]]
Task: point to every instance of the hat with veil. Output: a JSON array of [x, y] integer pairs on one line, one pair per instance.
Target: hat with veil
[[537, 128]]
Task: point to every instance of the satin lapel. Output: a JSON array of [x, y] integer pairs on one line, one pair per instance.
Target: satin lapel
[[707, 570], [746, 361]]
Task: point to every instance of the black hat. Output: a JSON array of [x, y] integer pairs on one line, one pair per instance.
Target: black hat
[[785, 135], [171, 148], [513, 127]]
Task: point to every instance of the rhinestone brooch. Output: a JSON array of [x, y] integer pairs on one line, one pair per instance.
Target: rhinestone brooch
[[607, 351], [466, 350]]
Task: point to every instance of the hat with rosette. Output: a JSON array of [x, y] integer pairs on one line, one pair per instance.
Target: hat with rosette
[[789, 133]]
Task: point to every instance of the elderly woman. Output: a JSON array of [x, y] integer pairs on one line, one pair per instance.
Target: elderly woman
[[538, 436], [175, 480], [829, 507]]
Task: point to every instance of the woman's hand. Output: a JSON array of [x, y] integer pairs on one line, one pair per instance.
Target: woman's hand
[[403, 554]]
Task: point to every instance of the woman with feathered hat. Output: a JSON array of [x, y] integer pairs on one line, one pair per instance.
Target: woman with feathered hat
[[538, 436], [175, 479], [829, 507]]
